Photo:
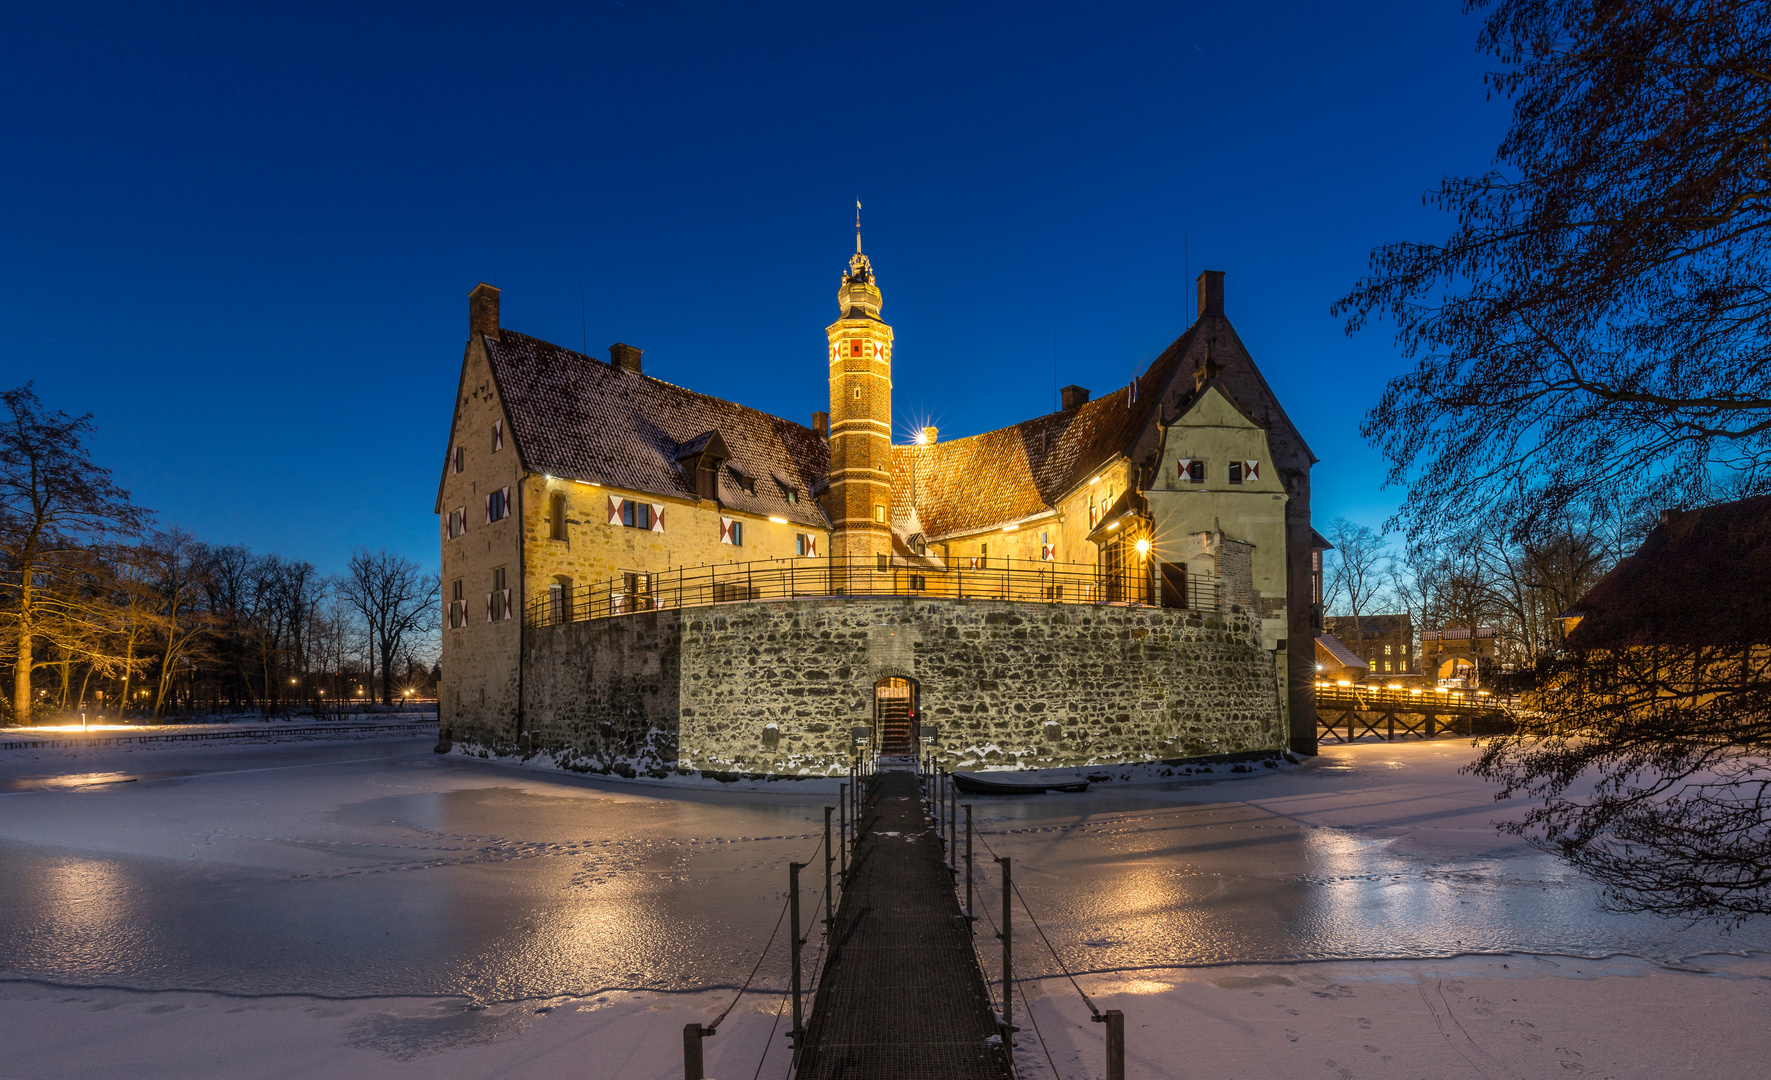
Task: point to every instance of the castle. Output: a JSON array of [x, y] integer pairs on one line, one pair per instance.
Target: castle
[[642, 579]]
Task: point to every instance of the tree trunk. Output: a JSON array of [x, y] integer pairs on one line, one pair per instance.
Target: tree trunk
[[21, 679]]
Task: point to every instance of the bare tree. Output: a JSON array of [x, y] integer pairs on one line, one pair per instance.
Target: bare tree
[[1597, 321], [54, 501], [395, 598], [1355, 569], [178, 564]]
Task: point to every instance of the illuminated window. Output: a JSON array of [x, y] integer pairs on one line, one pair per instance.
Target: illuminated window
[[854, 348], [879, 512], [857, 393]]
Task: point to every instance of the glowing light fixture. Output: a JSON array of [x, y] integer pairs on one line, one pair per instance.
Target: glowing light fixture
[[1010, 528], [1113, 526], [1342, 682], [1143, 547], [1096, 480], [776, 520]]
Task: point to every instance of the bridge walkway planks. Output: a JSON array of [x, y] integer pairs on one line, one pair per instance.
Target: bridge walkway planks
[[902, 996]]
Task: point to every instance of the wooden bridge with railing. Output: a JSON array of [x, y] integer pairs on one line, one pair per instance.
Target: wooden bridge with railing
[[1346, 713]]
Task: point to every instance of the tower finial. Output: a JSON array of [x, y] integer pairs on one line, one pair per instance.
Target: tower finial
[[857, 226]]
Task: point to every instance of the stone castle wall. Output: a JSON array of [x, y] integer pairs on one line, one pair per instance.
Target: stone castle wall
[[773, 687]]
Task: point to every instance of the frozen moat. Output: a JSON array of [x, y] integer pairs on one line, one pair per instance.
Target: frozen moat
[[381, 869]]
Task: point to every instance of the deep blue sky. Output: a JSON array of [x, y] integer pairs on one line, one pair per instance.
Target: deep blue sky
[[244, 237]]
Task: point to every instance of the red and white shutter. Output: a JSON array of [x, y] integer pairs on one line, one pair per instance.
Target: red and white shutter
[[657, 517], [725, 530], [497, 435], [489, 606], [488, 508], [1251, 471], [811, 545], [1182, 467], [614, 510], [507, 603], [505, 503]]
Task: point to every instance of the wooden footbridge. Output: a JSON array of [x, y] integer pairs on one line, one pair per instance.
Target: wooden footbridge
[[1346, 713]]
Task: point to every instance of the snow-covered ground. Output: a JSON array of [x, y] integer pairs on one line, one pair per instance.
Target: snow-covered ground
[[373, 909]]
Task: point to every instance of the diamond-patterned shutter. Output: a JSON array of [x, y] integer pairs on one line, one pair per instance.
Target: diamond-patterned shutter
[[504, 504], [657, 517], [614, 510], [725, 530], [811, 545], [488, 508], [507, 603], [1182, 467], [1251, 471], [497, 435], [489, 607]]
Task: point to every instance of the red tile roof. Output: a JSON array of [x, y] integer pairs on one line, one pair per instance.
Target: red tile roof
[[578, 417]]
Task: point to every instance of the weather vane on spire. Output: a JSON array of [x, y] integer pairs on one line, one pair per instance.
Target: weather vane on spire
[[857, 226]]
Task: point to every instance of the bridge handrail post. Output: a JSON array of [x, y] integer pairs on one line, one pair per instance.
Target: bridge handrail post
[[1115, 1021], [829, 862], [1008, 958], [692, 1036], [842, 800], [971, 917], [797, 1034], [952, 825]]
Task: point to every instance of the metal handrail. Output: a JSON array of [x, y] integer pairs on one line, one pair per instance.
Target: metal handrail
[[966, 578]]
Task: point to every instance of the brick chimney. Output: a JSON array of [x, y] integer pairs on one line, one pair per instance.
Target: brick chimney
[[482, 311], [1211, 292], [1074, 397], [625, 357], [821, 424]]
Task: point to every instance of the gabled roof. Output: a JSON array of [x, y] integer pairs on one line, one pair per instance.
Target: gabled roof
[[1701, 577], [578, 417], [1329, 648]]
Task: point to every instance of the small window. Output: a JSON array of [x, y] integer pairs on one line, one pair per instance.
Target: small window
[[1196, 472], [496, 506], [792, 496], [854, 348], [882, 563], [919, 583], [1235, 472], [498, 580], [738, 533], [556, 515], [983, 556], [1386, 650], [857, 393], [879, 512], [636, 515], [455, 590]]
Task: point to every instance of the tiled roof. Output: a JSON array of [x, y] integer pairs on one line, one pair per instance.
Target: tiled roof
[[578, 417], [1701, 577], [987, 480], [1338, 653]]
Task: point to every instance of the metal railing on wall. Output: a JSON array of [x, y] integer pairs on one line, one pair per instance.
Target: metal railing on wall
[[785, 579]]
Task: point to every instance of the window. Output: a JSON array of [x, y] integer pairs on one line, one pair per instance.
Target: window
[[636, 515], [457, 522], [556, 515], [498, 579], [497, 505], [805, 545], [1235, 472], [882, 563], [731, 531], [879, 512], [457, 606], [855, 350], [919, 582], [857, 393], [1192, 470], [498, 600], [983, 556], [635, 594], [497, 435], [1386, 650]]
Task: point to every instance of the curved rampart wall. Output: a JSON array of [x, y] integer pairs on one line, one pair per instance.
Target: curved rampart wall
[[773, 687]]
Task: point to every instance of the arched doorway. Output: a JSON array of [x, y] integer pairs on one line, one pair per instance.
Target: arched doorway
[[895, 715]]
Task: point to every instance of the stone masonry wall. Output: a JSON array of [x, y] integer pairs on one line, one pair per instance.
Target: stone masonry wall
[[603, 694], [774, 687]]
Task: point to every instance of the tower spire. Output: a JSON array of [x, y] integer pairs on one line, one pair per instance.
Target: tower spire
[[857, 226]]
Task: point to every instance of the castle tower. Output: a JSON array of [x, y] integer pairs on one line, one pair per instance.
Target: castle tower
[[859, 499]]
